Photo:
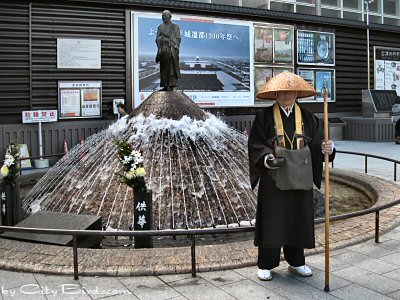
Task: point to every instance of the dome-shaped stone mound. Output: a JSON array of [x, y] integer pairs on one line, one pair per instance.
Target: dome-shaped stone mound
[[196, 168], [170, 105]]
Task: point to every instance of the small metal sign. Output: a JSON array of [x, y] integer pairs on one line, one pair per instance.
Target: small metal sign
[[36, 116]]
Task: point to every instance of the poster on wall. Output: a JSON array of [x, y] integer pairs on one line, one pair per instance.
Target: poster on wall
[[315, 48], [78, 53], [263, 38], [79, 99], [283, 45], [216, 59], [387, 69], [261, 76], [318, 78]]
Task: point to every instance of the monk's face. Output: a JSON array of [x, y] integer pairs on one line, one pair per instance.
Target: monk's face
[[286, 98]]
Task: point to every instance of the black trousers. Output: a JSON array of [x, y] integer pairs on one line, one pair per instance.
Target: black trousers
[[268, 258]]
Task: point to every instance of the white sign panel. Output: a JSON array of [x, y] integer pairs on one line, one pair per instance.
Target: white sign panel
[[36, 116], [78, 54]]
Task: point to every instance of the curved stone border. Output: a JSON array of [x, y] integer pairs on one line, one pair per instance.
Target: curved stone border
[[29, 257]]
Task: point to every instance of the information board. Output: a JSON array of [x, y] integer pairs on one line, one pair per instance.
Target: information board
[[383, 100], [78, 54], [79, 99]]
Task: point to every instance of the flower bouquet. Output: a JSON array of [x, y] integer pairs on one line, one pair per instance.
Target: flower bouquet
[[11, 167], [133, 171]]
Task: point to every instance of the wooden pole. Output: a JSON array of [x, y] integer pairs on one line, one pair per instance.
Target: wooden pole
[[327, 191]]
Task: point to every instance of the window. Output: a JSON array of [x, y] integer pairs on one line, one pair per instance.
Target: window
[[330, 2], [308, 10], [374, 19], [226, 2], [255, 3], [374, 6], [354, 4], [391, 21], [330, 13], [306, 1], [352, 16], [282, 6], [389, 7]]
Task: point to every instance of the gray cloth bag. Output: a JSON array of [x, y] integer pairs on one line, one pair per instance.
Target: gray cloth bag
[[296, 173]]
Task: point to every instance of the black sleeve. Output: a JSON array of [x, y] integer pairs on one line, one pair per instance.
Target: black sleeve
[[257, 147]]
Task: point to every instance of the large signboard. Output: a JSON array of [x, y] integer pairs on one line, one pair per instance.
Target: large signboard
[[79, 99], [216, 59], [78, 54], [318, 78], [315, 48], [387, 69]]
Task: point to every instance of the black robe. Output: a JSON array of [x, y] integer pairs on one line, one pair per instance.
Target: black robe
[[283, 217]]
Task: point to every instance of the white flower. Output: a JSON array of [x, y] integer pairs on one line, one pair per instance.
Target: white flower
[[9, 160], [4, 170]]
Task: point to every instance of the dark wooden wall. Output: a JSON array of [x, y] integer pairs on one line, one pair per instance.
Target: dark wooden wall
[[28, 61]]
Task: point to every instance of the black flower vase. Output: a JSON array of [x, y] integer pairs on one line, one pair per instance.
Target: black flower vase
[[143, 218], [10, 204]]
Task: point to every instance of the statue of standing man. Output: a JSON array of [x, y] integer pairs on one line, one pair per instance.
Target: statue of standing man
[[168, 42]]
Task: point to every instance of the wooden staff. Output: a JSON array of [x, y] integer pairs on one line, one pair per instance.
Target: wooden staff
[[327, 190]]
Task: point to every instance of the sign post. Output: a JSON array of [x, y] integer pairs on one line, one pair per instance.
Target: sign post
[[39, 116]]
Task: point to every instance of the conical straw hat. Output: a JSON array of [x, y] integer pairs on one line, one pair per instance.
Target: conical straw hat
[[286, 81]]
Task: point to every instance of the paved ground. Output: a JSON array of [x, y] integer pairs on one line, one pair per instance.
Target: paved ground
[[363, 271]]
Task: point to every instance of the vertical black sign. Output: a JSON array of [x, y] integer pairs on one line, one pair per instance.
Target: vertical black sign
[[143, 218]]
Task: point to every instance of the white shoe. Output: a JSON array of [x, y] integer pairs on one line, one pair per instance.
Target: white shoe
[[264, 275], [303, 271]]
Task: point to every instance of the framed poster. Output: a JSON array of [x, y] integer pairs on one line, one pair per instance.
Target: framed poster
[[387, 69], [315, 48], [216, 59], [263, 38], [261, 76], [79, 99], [283, 45], [78, 53], [318, 78]]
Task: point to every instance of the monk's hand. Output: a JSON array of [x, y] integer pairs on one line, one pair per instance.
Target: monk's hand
[[327, 147]]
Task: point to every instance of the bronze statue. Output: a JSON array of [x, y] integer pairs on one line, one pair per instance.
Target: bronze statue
[[168, 42]]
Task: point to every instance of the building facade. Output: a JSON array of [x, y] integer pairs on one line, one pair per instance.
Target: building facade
[[30, 75]]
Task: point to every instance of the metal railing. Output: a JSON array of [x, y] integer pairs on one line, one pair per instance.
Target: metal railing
[[198, 232]]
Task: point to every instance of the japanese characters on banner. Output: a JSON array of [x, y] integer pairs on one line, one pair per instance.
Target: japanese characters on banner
[[216, 59], [318, 78], [387, 69], [79, 99], [273, 54], [36, 116]]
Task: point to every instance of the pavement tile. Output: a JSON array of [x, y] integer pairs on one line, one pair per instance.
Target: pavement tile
[[175, 277], [357, 292], [61, 287], [318, 261], [304, 291], [368, 279], [279, 280], [247, 289], [15, 279], [392, 258], [198, 288], [372, 250], [23, 293], [219, 278], [317, 280], [101, 287], [149, 287], [395, 275], [395, 295]]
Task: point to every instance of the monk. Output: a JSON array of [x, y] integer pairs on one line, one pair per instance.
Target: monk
[[286, 152]]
